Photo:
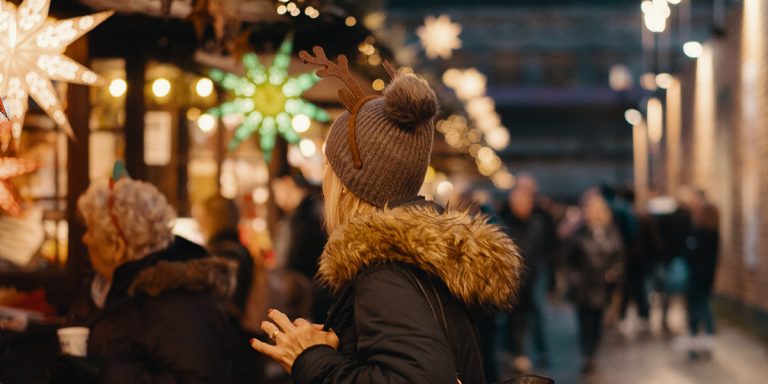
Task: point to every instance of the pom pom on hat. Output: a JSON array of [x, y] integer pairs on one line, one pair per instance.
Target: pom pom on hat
[[410, 101]]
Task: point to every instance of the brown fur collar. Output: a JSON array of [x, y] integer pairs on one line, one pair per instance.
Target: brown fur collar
[[476, 260], [213, 275]]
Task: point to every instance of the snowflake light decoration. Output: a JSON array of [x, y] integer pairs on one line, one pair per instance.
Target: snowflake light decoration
[[439, 36], [267, 99], [32, 54]]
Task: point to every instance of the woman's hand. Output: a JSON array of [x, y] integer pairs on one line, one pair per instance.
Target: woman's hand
[[291, 338]]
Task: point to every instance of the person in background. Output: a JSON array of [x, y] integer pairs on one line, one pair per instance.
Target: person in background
[[674, 227], [480, 201], [701, 257], [638, 267], [549, 213], [156, 308], [218, 219], [529, 230], [301, 236], [638, 270], [594, 259]]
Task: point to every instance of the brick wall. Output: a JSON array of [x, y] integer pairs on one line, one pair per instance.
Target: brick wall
[[725, 146]]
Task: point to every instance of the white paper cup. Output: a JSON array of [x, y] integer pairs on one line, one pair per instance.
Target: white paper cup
[[74, 341]]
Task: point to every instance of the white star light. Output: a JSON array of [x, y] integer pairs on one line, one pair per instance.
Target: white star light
[[32, 54], [439, 36]]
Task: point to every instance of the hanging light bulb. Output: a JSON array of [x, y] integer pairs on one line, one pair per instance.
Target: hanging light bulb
[[664, 80], [161, 87], [117, 87], [307, 147], [693, 49], [633, 116], [300, 123], [206, 122], [204, 87]]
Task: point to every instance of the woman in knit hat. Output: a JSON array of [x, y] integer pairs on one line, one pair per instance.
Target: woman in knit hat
[[403, 270]]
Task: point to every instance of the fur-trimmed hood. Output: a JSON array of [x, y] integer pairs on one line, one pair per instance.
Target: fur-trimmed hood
[[214, 275], [476, 260]]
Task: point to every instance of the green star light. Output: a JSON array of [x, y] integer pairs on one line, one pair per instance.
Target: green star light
[[267, 99]]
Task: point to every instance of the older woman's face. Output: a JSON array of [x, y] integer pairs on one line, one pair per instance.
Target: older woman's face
[[103, 251]]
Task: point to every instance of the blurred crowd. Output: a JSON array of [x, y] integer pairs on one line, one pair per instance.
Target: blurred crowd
[[602, 256]]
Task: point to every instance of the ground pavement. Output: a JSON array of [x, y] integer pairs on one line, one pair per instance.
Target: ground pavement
[[650, 357]]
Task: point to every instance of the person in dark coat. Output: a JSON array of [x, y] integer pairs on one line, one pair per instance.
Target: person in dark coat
[[404, 271], [156, 309], [528, 229], [594, 259], [674, 227], [703, 247], [218, 219], [301, 236]]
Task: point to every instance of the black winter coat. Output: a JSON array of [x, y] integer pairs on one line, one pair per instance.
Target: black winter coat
[[590, 255], [405, 278], [164, 320], [227, 244], [703, 247], [533, 238]]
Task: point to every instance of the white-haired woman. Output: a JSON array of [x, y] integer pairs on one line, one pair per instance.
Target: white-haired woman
[[155, 308], [404, 271]]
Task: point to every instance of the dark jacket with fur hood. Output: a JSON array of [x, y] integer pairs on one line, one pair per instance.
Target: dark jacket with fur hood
[[405, 278], [164, 319]]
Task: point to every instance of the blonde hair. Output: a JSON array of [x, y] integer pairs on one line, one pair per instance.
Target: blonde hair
[[143, 214], [340, 204]]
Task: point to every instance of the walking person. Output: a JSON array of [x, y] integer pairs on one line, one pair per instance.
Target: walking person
[[594, 259], [701, 257], [403, 270], [674, 227], [529, 231]]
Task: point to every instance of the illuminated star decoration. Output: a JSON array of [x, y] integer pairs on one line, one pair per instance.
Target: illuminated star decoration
[[32, 54], [267, 99], [11, 167], [439, 36]]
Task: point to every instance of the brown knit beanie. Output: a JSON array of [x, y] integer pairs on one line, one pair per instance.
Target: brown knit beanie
[[384, 153]]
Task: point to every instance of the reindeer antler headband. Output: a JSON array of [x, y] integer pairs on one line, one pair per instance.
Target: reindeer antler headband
[[353, 97]]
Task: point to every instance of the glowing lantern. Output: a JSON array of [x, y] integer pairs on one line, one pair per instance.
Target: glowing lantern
[[32, 54]]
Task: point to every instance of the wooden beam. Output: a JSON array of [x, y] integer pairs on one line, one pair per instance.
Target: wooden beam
[[78, 163], [135, 64]]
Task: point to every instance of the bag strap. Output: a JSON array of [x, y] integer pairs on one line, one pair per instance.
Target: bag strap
[[442, 321]]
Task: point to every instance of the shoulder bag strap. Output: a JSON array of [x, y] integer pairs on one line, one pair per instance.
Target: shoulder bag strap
[[441, 320]]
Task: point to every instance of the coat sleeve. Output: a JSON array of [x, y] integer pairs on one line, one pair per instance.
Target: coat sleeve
[[399, 339]]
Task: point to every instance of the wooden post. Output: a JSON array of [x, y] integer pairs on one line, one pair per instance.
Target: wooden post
[[135, 65], [78, 163]]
